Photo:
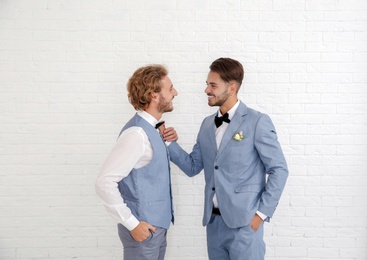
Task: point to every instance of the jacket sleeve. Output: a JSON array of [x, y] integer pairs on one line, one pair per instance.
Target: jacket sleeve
[[271, 154], [191, 164]]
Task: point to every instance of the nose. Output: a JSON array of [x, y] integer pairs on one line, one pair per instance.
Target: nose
[[175, 93], [206, 90]]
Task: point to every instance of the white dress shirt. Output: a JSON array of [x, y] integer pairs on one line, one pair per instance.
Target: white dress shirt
[[133, 150], [219, 132]]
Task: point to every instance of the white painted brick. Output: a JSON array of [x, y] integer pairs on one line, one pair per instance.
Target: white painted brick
[[308, 15], [321, 232], [322, 26], [325, 5], [290, 5], [63, 71], [302, 242], [291, 252], [358, 253], [304, 36], [319, 252], [262, 6]]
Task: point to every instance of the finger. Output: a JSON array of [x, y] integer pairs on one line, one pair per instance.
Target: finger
[[170, 132], [169, 135], [167, 130], [153, 229], [173, 138]]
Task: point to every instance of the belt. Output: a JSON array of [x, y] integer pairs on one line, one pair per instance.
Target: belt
[[216, 211]]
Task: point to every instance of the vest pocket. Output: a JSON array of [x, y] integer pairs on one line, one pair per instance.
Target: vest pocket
[[249, 188]]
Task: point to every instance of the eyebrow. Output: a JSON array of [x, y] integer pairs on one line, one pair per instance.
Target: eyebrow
[[211, 83]]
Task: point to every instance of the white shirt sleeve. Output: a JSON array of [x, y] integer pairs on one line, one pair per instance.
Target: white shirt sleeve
[[261, 215], [126, 154]]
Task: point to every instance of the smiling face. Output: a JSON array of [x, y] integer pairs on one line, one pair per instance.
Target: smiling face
[[167, 94], [218, 90]]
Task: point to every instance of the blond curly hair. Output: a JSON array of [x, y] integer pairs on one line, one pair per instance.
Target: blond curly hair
[[145, 81]]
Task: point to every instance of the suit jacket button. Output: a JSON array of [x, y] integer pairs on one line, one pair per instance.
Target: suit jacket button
[[213, 188], [216, 167]]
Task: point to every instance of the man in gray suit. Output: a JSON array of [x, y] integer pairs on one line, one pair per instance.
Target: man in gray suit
[[238, 149]]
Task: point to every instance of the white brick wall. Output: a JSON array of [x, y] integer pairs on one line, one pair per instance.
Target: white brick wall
[[63, 69]]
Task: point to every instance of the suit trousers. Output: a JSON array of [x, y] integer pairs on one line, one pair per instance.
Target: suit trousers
[[226, 243], [153, 248]]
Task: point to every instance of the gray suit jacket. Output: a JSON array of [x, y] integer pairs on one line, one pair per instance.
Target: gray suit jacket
[[237, 171]]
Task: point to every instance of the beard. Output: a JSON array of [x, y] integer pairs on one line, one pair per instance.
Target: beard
[[164, 106], [218, 100]]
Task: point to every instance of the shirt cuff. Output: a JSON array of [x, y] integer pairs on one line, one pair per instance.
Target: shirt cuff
[[261, 215], [131, 223]]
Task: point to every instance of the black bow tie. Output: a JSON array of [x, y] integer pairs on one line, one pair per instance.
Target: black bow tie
[[159, 124], [219, 120]]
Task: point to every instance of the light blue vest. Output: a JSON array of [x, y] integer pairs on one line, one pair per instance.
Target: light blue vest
[[147, 190]]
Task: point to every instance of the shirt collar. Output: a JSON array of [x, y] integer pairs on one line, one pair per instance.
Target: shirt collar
[[147, 117], [231, 111]]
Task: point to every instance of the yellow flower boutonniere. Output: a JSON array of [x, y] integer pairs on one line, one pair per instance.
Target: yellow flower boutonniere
[[238, 136]]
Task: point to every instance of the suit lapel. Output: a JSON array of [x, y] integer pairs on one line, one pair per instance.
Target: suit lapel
[[233, 127]]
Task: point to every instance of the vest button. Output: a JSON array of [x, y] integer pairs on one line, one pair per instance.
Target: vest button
[[216, 167]]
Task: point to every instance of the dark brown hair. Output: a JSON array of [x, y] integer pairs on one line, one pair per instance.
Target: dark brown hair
[[228, 69]]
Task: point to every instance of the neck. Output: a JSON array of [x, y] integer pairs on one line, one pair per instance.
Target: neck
[[230, 102], [157, 115]]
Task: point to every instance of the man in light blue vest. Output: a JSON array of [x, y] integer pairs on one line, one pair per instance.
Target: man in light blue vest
[[244, 166], [134, 182]]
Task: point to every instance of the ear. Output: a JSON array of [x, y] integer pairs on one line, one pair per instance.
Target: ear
[[232, 89], [155, 96]]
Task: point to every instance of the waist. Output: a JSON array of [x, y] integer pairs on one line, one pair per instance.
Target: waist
[[216, 211]]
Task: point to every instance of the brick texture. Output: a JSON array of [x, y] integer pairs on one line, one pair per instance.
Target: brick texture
[[64, 65]]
